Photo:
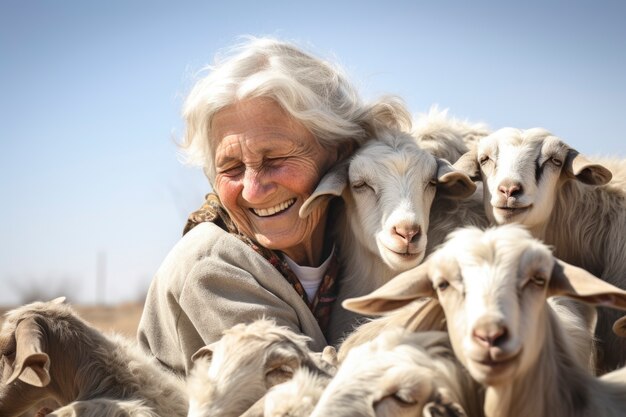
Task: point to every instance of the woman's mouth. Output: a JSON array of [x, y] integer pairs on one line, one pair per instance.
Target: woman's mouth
[[277, 209]]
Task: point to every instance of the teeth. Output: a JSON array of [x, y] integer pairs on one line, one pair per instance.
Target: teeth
[[273, 210]]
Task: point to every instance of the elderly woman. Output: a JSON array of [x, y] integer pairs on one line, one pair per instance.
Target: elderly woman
[[265, 124]]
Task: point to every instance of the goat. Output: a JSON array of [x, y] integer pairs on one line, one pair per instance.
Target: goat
[[444, 136], [576, 205], [230, 375], [49, 352], [493, 287], [401, 373], [387, 189], [421, 315], [293, 398]]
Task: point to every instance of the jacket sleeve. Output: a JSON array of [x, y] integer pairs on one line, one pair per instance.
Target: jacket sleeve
[[208, 283]]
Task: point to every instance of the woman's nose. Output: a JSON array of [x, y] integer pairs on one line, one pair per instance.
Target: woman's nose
[[256, 186]]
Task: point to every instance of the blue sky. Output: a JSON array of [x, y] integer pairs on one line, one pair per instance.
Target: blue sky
[[91, 95]]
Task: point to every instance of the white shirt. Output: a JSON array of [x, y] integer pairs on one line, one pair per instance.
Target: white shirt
[[310, 277]]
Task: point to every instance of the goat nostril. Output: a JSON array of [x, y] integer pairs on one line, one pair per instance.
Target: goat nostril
[[511, 189], [408, 234], [495, 336], [515, 190]]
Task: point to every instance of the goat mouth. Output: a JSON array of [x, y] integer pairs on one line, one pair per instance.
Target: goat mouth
[[494, 365], [509, 212], [408, 255]]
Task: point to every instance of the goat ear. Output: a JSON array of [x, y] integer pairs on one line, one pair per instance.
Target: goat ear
[[585, 171], [619, 327], [401, 290], [331, 185], [575, 282], [32, 364], [443, 406], [468, 164], [204, 352], [453, 183], [329, 355]]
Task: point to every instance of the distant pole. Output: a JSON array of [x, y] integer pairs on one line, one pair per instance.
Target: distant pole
[[101, 277]]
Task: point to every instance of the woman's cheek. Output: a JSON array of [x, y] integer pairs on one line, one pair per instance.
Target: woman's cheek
[[227, 189]]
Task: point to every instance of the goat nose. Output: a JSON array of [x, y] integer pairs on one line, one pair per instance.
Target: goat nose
[[511, 188], [408, 233], [490, 334]]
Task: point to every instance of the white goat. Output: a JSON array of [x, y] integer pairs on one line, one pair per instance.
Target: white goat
[[49, 352], [444, 136], [534, 178], [387, 188], [401, 373], [493, 287], [294, 398], [418, 316], [230, 375]]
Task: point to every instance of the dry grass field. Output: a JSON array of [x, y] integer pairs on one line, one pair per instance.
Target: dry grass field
[[121, 318]]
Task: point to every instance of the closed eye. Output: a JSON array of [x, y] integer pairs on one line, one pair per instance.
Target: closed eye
[[361, 185], [442, 285], [233, 171]]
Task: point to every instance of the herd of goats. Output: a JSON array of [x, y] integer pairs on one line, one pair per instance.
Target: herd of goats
[[510, 304]]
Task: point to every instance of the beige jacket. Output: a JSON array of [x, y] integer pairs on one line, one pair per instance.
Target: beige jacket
[[209, 282]]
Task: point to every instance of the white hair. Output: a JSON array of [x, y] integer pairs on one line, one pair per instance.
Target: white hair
[[312, 91]]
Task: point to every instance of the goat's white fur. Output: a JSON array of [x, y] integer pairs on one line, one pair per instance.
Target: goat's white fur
[[576, 205], [401, 373], [49, 352], [444, 136], [493, 286], [387, 189], [293, 398], [230, 375]]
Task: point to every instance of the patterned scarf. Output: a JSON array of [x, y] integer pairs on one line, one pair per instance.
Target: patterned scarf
[[213, 211]]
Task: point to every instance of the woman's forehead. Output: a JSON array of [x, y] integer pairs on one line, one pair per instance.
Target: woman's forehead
[[258, 125], [250, 113]]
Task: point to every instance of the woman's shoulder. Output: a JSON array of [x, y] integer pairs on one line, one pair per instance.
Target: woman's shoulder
[[204, 243], [208, 254]]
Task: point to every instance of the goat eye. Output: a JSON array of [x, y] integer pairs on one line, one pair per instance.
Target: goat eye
[[483, 159], [539, 280], [556, 161], [405, 398], [433, 182], [442, 285], [361, 186]]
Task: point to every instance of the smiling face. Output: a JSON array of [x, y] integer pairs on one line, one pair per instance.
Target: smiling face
[[521, 170], [393, 187], [494, 302], [267, 165]]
